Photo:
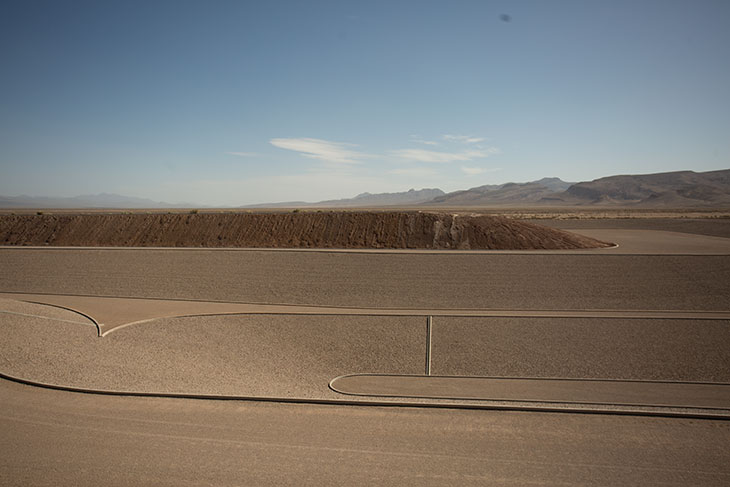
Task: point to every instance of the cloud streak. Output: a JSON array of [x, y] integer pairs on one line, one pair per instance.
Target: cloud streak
[[420, 140], [466, 139], [242, 154], [323, 150], [422, 155]]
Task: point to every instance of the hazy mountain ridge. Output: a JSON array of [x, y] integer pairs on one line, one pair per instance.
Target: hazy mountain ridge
[[405, 198], [502, 194], [101, 200], [672, 189]]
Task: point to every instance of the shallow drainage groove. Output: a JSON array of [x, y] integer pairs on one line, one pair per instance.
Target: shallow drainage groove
[[429, 324]]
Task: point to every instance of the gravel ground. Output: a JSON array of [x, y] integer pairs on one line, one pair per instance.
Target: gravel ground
[[277, 356], [12, 307], [639, 349], [53, 438], [296, 356]]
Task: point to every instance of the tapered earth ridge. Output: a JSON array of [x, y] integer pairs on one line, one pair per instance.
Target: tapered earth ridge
[[346, 230]]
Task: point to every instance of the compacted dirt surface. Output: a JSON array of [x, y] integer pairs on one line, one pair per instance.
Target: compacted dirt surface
[[533, 321], [387, 230]]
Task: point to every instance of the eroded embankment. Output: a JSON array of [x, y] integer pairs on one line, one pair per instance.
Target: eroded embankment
[[395, 230]]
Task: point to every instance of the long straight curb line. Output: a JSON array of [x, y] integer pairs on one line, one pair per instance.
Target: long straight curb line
[[429, 329], [395, 251], [613, 250], [324, 310], [396, 311], [601, 252], [392, 404]]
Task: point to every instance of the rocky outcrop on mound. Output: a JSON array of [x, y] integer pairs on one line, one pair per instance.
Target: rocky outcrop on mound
[[352, 230]]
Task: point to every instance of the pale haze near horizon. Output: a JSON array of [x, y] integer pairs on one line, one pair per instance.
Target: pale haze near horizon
[[235, 103]]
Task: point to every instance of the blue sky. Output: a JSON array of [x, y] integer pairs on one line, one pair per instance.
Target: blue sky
[[232, 103]]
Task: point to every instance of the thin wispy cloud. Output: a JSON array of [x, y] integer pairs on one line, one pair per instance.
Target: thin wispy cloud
[[323, 150], [422, 155], [421, 140], [466, 139], [243, 154]]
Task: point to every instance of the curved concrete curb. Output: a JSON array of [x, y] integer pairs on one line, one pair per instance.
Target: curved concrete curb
[[545, 382], [364, 403], [88, 317], [259, 308]]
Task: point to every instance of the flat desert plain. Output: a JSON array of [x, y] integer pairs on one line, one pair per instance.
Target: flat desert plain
[[419, 364]]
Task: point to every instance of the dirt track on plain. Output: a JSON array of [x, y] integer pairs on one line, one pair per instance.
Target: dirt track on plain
[[657, 345], [296, 356], [55, 437], [249, 355], [425, 281], [395, 230]]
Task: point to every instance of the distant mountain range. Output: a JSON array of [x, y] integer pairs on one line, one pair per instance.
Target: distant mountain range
[[102, 200], [410, 197], [503, 194], [679, 189], [673, 189]]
